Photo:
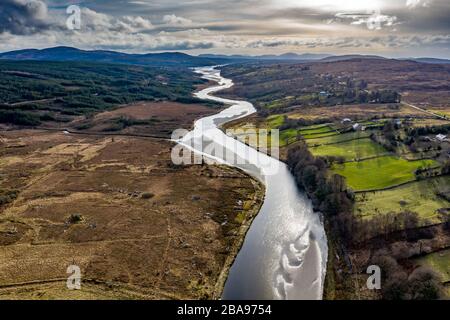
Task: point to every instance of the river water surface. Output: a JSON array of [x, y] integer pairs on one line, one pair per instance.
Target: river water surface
[[284, 254]]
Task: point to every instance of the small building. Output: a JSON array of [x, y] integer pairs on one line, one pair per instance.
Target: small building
[[441, 137], [323, 94], [356, 126], [346, 120]]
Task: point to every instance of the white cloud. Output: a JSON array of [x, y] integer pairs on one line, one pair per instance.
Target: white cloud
[[373, 21], [93, 20], [174, 21], [417, 3]]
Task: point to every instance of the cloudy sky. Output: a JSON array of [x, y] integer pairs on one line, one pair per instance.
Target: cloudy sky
[[387, 27]]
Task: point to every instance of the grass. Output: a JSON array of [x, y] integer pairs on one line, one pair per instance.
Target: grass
[[439, 262], [355, 149], [381, 172], [420, 197], [338, 138], [320, 135], [314, 130], [288, 136], [275, 121]]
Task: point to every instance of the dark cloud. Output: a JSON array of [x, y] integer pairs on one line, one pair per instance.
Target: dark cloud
[[182, 46], [161, 46], [232, 26], [22, 17], [433, 18]]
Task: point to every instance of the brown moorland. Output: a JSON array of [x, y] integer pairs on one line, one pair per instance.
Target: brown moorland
[[138, 226]]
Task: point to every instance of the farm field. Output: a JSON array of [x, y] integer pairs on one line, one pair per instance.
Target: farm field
[[439, 262], [275, 121], [380, 173], [357, 111], [426, 122], [315, 129], [420, 197], [443, 112], [289, 136], [338, 138], [350, 150]]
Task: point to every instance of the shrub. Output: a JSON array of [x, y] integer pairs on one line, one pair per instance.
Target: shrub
[[147, 195]]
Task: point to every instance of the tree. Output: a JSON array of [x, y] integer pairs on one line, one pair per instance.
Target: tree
[[424, 284]]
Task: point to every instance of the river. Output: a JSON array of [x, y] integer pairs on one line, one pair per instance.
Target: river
[[284, 254]]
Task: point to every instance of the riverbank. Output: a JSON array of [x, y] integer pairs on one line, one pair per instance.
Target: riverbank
[[254, 206], [284, 253]]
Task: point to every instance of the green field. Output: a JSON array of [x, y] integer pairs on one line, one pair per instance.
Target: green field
[[380, 172], [420, 197], [312, 130], [338, 138], [289, 136], [350, 150], [439, 262], [276, 121]]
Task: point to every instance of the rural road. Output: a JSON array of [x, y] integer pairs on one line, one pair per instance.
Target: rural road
[[425, 111]]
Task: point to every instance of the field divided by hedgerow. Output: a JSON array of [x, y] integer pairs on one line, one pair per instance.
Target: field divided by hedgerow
[[338, 138], [421, 197], [350, 150], [380, 173]]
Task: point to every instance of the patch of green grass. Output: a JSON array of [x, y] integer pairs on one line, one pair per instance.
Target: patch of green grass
[[275, 121], [355, 149], [315, 130], [420, 197], [338, 138], [320, 135], [380, 172], [288, 136], [439, 262]]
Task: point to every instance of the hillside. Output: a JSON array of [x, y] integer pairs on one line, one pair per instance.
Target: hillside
[[276, 87], [35, 91], [167, 59]]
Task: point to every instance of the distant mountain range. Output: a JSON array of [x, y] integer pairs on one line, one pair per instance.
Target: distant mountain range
[[351, 57], [177, 59], [173, 59], [430, 60], [285, 56]]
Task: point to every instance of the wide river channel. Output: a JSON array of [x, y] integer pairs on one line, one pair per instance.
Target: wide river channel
[[284, 254]]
